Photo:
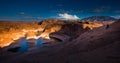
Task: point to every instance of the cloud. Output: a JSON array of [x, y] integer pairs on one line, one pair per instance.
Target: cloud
[[66, 16], [60, 11], [22, 13], [117, 17], [59, 5], [100, 9], [117, 11]]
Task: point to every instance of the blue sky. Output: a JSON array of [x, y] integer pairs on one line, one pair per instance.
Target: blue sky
[[37, 9]]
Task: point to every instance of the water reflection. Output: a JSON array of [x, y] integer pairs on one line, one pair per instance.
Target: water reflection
[[24, 45], [39, 42]]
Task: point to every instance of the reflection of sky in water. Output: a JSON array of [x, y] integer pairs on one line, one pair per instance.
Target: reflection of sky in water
[[39, 42], [24, 44]]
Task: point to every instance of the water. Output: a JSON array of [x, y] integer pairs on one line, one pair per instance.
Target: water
[[24, 44], [39, 42]]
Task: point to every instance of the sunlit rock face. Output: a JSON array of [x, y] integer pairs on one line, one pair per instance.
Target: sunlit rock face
[[49, 30], [7, 39], [92, 25], [5, 42], [31, 34], [13, 31], [17, 36]]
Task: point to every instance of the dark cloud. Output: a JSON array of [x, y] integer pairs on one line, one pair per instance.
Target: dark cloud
[[117, 11], [101, 9], [61, 11]]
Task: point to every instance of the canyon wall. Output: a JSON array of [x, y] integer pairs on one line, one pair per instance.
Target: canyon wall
[[63, 30]]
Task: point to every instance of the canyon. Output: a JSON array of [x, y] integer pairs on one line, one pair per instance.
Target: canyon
[[12, 31], [62, 42]]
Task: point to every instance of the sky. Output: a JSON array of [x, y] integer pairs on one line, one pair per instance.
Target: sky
[[43, 9]]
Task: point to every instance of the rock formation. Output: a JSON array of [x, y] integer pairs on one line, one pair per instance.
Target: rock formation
[[79, 45]]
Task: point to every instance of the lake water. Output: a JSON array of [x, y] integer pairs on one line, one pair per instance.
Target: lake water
[[39, 42], [24, 44]]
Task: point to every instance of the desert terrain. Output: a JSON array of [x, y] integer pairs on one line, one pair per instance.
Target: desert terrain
[[61, 42]]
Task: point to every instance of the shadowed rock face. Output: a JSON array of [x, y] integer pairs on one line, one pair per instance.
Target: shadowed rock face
[[68, 32]]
